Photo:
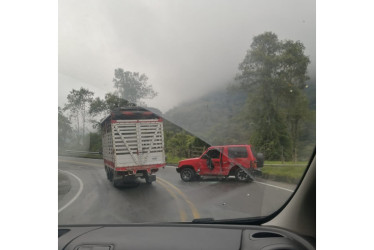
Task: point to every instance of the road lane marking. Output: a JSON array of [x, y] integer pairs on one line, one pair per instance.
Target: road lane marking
[[182, 213], [195, 212], [267, 184], [79, 162], [77, 194]]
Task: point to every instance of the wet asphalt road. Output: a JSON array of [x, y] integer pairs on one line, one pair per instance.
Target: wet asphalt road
[[85, 196]]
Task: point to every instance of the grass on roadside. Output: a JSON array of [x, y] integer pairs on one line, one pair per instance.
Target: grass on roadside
[[290, 174], [93, 156], [287, 162]]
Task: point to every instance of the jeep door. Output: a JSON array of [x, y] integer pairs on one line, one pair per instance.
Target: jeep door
[[226, 162], [213, 157]]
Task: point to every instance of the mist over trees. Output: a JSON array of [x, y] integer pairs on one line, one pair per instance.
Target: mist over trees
[[64, 129], [78, 105], [270, 104], [84, 111], [132, 86]]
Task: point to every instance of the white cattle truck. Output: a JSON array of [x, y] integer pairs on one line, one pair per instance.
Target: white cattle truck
[[133, 145]]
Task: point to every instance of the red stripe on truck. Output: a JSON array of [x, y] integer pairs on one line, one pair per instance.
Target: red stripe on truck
[[134, 121], [106, 162], [121, 168], [136, 168]]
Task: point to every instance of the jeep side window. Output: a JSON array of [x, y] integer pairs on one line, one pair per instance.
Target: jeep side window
[[238, 152], [213, 153]]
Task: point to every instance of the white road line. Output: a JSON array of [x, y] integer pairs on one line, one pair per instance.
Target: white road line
[[77, 194], [267, 184]]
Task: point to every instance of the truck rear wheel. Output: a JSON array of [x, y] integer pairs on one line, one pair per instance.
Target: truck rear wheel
[[187, 174], [107, 173], [110, 174], [114, 180]]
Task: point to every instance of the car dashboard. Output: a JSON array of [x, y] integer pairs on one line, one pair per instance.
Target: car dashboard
[[179, 236]]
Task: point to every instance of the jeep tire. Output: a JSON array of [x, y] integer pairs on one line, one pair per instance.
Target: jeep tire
[[187, 174], [241, 175]]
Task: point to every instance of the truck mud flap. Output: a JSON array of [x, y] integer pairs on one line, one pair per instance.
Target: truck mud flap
[[149, 178], [152, 177]]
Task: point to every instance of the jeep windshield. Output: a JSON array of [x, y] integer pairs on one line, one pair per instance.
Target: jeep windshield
[[146, 87]]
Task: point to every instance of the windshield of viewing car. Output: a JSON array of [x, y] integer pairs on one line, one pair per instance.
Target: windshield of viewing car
[[144, 85]]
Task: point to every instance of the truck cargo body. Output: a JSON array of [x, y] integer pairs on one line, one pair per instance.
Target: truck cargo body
[[133, 144]]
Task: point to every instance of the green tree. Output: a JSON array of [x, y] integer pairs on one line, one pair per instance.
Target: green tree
[[64, 129], [274, 73], [78, 105], [100, 108], [132, 86], [293, 73], [113, 101], [95, 142]]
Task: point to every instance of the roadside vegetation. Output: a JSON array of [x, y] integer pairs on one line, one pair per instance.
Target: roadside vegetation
[[286, 163], [287, 173]]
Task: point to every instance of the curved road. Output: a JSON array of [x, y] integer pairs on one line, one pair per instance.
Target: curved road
[[87, 197]]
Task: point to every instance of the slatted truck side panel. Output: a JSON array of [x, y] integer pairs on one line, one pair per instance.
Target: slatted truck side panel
[[107, 144]]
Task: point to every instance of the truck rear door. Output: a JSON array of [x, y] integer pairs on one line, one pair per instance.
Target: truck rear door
[[138, 143]]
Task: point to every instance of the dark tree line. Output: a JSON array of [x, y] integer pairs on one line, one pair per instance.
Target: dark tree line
[[274, 73]]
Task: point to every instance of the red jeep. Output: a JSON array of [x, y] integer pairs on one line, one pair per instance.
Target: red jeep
[[222, 161]]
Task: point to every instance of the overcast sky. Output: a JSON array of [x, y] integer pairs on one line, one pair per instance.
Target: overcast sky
[[186, 48]]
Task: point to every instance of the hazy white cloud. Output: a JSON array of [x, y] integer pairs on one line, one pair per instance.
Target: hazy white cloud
[[186, 48]]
